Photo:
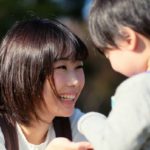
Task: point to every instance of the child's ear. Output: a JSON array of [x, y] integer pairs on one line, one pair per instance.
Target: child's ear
[[129, 40]]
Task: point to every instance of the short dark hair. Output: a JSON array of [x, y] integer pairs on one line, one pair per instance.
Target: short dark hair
[[27, 54], [108, 16]]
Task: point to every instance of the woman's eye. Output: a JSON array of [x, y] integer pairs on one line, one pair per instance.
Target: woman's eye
[[79, 67], [61, 67]]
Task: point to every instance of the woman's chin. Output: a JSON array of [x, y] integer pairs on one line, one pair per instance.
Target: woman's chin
[[68, 113]]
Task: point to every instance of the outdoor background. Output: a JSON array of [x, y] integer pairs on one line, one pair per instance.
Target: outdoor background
[[101, 80]]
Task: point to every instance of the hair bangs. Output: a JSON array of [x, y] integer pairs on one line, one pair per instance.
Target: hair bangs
[[71, 48]]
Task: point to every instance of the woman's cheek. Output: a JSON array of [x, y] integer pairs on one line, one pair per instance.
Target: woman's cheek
[[82, 78]]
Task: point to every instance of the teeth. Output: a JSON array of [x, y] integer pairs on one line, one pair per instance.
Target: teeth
[[67, 97]]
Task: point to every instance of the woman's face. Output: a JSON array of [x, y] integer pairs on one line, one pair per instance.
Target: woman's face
[[69, 81]]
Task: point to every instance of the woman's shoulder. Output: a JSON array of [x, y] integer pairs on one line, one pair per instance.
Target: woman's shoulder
[[76, 115], [77, 136], [2, 141]]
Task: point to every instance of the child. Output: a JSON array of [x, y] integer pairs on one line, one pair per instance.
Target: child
[[120, 29], [41, 78]]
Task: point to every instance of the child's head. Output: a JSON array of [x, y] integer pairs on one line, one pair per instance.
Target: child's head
[[117, 25], [33, 53]]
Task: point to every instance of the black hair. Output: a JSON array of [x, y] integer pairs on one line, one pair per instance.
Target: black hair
[[27, 54], [107, 17]]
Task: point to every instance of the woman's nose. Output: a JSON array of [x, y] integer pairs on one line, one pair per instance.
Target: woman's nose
[[73, 80]]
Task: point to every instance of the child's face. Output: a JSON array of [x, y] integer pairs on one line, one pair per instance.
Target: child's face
[[131, 56], [69, 81], [126, 62]]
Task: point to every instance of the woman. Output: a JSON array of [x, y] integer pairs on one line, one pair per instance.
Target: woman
[[41, 78]]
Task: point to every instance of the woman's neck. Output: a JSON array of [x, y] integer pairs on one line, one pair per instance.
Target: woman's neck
[[36, 133]]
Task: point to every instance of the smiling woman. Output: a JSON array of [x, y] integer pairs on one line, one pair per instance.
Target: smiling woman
[[41, 77], [69, 81]]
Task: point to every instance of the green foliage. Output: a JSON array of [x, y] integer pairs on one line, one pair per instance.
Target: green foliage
[[12, 10]]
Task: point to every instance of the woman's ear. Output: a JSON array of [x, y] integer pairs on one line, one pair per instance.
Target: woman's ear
[[128, 40]]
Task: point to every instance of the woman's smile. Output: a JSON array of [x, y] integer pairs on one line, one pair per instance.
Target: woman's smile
[[68, 79]]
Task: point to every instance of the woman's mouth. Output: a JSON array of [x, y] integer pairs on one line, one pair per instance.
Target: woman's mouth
[[68, 97]]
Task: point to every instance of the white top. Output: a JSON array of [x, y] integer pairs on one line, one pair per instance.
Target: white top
[[25, 145], [128, 125]]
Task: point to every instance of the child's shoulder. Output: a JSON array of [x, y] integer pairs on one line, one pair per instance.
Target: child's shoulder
[[140, 77], [133, 91], [137, 81]]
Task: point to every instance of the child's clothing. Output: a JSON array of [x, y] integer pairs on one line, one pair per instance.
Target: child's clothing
[[128, 124], [25, 145]]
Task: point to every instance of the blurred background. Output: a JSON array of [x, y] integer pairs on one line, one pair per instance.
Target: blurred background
[[101, 80]]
